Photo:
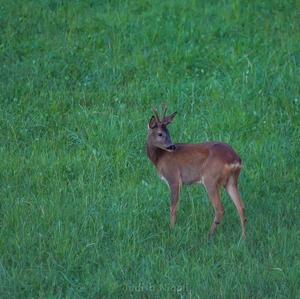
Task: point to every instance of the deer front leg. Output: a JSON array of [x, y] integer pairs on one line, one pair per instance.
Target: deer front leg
[[175, 189]]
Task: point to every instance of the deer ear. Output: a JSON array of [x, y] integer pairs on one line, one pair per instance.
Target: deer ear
[[168, 119], [152, 123]]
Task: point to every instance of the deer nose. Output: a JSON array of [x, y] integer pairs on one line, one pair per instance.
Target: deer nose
[[171, 147]]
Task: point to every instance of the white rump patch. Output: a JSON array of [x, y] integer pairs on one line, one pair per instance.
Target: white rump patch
[[233, 165]]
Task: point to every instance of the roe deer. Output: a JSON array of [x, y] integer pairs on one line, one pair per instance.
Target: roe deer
[[213, 164]]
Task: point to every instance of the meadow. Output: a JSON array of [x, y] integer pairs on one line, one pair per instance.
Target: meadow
[[82, 211]]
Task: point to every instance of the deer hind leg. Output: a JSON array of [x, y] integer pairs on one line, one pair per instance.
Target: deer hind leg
[[232, 189], [175, 189], [213, 194]]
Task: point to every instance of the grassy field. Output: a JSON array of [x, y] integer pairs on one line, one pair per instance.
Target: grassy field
[[82, 211]]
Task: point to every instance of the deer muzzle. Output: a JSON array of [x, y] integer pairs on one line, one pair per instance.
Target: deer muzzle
[[171, 147]]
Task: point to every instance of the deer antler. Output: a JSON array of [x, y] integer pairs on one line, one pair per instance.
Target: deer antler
[[164, 107], [155, 112]]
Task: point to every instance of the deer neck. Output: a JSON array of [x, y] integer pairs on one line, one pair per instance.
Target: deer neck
[[154, 153]]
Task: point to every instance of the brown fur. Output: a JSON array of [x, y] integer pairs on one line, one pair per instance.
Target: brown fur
[[213, 164]]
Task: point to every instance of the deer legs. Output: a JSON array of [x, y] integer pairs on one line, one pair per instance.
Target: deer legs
[[175, 189], [212, 188], [234, 193], [213, 194]]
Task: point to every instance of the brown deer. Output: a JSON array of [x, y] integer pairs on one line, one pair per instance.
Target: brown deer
[[213, 164]]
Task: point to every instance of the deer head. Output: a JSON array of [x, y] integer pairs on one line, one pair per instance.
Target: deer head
[[158, 134]]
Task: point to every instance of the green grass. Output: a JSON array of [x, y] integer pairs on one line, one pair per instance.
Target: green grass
[[82, 211]]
